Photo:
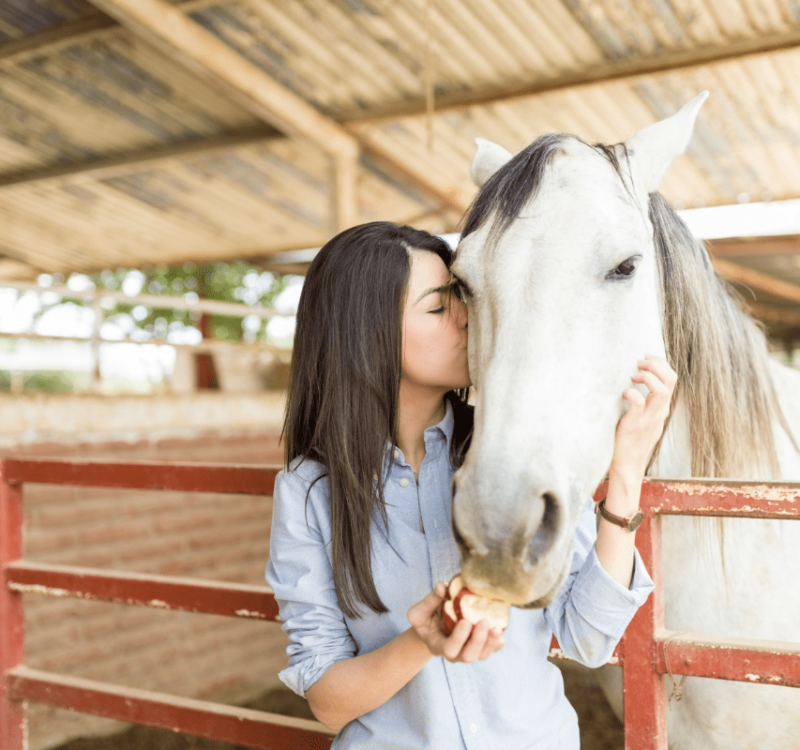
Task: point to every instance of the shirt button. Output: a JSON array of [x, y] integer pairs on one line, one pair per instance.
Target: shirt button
[[404, 482], [473, 728], [396, 453]]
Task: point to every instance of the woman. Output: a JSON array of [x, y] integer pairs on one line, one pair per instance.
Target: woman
[[377, 422]]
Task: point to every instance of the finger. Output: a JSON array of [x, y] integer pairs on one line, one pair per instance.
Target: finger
[[634, 398], [454, 643], [473, 648], [654, 385], [425, 609], [660, 367], [494, 642]]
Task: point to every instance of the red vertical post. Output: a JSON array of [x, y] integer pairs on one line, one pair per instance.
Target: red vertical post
[[645, 703], [205, 372], [13, 734]]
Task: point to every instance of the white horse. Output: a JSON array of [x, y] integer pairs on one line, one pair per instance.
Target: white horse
[[574, 268]]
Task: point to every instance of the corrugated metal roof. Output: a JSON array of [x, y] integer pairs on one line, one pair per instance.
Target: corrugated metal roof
[[114, 152]]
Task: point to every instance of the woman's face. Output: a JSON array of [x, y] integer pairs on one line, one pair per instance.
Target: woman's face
[[434, 328]]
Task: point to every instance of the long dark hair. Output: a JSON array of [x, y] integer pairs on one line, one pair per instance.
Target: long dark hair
[[345, 382]]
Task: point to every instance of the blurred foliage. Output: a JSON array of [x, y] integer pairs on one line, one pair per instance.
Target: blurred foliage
[[236, 281], [47, 381]]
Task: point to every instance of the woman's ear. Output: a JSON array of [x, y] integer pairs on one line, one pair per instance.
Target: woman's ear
[[487, 160]]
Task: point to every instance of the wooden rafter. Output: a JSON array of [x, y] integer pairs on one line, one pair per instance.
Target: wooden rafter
[[112, 166], [626, 69], [731, 247], [167, 28], [187, 43], [49, 41], [757, 280]]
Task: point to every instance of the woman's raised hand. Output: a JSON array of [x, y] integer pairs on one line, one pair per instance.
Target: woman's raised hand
[[640, 428], [467, 643]]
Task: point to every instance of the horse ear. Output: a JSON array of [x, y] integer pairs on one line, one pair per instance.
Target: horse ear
[[654, 148], [487, 160]]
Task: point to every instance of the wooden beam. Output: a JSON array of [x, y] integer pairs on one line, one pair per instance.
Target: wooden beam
[[111, 166], [730, 247], [626, 69], [51, 40], [758, 280], [189, 44], [88, 28], [774, 315]]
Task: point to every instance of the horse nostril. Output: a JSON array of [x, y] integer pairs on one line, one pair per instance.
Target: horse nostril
[[544, 526]]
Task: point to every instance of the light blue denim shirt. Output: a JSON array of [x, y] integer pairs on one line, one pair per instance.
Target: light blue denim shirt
[[513, 700]]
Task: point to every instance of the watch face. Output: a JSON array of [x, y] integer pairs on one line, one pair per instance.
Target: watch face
[[636, 521]]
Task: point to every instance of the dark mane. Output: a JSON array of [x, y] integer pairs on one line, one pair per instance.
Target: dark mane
[[518, 181]]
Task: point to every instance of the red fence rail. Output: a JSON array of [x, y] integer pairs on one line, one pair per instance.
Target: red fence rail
[[647, 646], [202, 718], [643, 651]]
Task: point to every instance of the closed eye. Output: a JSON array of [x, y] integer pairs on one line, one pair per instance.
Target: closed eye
[[624, 270]]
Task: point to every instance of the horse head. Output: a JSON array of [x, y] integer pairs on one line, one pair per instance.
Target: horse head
[[559, 271]]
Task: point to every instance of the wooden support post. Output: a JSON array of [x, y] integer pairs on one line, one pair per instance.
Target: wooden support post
[[643, 686], [96, 379], [205, 372], [13, 728]]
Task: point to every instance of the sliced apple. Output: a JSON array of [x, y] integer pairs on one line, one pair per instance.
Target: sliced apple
[[462, 604]]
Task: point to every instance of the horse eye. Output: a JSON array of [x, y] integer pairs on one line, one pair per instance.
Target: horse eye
[[625, 269]]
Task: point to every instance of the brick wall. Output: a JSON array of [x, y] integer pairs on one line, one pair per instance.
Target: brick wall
[[221, 537]]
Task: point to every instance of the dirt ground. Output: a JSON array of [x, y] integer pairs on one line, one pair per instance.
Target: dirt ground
[[600, 729]]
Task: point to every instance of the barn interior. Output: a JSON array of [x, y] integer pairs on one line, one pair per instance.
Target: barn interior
[[155, 132], [148, 133]]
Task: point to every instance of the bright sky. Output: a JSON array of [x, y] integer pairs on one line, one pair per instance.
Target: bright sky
[[152, 362]]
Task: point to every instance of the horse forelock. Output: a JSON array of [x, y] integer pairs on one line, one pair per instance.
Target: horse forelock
[[513, 186], [518, 182]]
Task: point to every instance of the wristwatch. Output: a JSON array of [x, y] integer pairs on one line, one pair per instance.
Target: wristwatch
[[629, 524]]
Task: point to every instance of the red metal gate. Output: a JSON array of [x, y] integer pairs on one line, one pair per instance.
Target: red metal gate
[[201, 718], [648, 647], [643, 653]]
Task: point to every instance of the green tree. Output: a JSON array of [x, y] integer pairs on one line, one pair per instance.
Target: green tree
[[236, 281]]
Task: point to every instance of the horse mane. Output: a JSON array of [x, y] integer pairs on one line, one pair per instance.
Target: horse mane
[[718, 352]]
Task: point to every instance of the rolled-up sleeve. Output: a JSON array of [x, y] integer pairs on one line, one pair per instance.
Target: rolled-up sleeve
[[300, 574], [591, 611]]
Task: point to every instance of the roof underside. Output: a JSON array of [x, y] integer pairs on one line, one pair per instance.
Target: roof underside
[[119, 150]]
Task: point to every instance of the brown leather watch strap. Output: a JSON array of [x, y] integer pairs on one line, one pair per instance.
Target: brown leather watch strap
[[629, 524]]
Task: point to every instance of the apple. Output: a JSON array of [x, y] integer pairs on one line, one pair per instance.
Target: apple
[[462, 604]]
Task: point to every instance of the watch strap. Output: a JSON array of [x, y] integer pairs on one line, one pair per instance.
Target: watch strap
[[629, 524]]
